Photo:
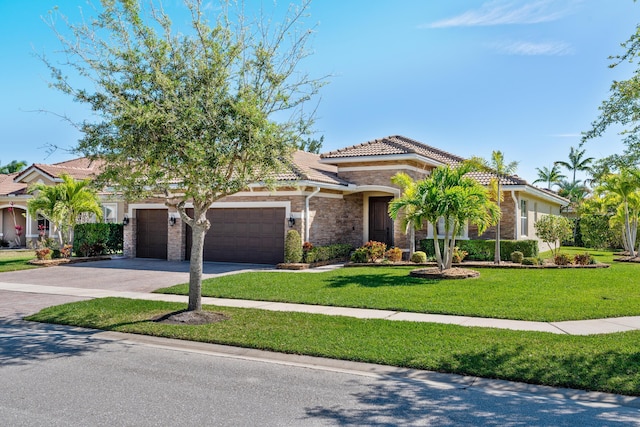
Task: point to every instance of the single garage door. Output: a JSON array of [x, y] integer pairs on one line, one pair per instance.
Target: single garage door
[[151, 234], [254, 235]]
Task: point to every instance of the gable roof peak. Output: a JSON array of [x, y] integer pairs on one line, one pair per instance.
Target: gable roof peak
[[394, 145]]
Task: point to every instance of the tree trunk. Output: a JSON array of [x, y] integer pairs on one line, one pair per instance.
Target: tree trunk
[[627, 229], [436, 247], [496, 256], [198, 231]]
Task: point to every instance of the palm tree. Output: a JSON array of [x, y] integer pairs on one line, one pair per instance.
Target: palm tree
[[625, 186], [551, 176], [575, 191], [63, 203], [13, 166], [500, 169], [576, 162], [449, 195]]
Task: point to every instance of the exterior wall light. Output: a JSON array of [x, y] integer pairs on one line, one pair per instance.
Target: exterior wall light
[[292, 221], [172, 220], [125, 220]]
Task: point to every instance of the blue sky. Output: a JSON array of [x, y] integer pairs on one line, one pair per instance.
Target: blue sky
[[469, 77]]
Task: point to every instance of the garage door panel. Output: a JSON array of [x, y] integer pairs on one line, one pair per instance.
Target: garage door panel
[[151, 233], [253, 235]]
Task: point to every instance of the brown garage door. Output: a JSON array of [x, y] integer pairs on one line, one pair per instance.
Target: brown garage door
[[151, 234], [243, 235]]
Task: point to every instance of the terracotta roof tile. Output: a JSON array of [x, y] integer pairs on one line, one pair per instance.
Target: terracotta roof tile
[[306, 166], [485, 178], [395, 144], [8, 186], [81, 168]]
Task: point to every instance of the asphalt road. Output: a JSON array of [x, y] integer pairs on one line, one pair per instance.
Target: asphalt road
[[60, 376]]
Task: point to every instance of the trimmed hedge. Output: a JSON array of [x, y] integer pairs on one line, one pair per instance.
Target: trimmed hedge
[[293, 247], [484, 250], [327, 253], [97, 239]]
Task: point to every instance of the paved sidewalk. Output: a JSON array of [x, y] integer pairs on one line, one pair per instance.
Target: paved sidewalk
[[578, 327]]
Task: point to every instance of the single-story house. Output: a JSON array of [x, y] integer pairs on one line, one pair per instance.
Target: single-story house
[[340, 196]]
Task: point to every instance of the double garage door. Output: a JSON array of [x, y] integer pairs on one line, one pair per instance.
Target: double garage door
[[254, 235]]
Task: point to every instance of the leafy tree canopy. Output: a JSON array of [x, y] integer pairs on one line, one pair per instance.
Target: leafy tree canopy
[[192, 116], [13, 166], [622, 108]]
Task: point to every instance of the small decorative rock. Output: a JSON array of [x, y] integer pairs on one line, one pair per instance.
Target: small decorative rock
[[450, 273]]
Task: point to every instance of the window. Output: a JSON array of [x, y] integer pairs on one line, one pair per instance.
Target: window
[[43, 226], [524, 218], [440, 229], [109, 212], [535, 212]]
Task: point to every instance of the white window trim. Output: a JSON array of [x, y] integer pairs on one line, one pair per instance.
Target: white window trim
[[524, 215], [463, 236]]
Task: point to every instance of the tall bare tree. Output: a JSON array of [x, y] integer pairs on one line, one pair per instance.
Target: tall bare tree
[[193, 115]]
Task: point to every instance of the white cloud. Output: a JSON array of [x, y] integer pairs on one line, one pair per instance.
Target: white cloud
[[501, 12], [526, 48]]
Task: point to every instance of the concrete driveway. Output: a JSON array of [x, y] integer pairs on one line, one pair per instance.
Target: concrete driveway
[[137, 275]]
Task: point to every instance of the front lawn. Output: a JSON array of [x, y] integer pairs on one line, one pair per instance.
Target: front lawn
[[524, 294], [608, 363], [11, 260]]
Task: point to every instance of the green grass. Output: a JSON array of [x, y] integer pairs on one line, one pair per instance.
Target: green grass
[[15, 260], [524, 294], [607, 363]]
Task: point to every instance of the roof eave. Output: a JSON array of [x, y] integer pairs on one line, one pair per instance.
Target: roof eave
[[381, 157], [526, 188]]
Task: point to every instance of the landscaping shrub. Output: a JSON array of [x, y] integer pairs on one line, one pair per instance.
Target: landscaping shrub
[[338, 251], [530, 261], [562, 259], [419, 257], [360, 256], [375, 250], [483, 250], [4, 243], [394, 254], [596, 231], [583, 259], [517, 257], [293, 247], [43, 253], [458, 254], [91, 239]]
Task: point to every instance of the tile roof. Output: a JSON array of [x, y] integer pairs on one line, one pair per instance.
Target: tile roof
[[485, 178], [307, 167], [9, 187], [395, 144], [81, 168]]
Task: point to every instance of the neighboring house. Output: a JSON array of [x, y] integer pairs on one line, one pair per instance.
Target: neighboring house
[[338, 197], [14, 196]]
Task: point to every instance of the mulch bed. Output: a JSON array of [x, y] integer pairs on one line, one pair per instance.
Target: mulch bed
[[73, 260], [191, 318], [475, 264], [450, 273], [628, 259]]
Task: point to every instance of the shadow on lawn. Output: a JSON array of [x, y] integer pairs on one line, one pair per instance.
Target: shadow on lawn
[[377, 280]]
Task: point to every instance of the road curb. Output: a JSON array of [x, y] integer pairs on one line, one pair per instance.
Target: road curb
[[433, 379]]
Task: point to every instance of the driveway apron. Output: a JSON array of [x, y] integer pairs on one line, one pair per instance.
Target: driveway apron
[[135, 275]]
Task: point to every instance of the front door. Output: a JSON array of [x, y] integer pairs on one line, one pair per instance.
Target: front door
[[380, 223]]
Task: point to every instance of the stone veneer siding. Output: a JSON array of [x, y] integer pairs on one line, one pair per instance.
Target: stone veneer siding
[[336, 220], [507, 223]]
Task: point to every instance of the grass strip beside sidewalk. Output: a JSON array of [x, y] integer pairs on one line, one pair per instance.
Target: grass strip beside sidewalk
[[607, 363]]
